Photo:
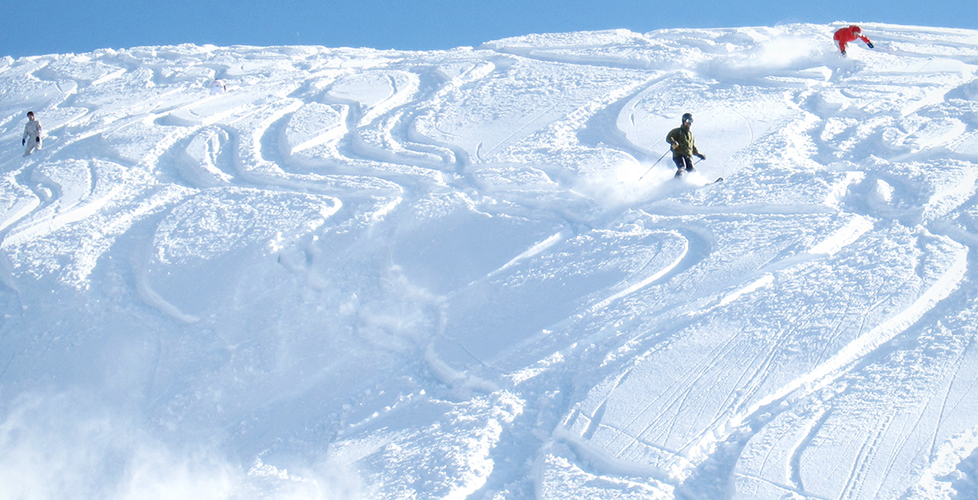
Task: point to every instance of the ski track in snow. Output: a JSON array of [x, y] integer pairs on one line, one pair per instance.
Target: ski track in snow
[[462, 274]]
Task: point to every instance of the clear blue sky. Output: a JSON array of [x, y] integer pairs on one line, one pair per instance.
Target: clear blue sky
[[59, 26]]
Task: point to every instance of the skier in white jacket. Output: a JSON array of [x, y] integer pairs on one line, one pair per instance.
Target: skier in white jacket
[[32, 135]]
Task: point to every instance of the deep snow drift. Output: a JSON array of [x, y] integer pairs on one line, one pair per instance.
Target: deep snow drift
[[462, 274]]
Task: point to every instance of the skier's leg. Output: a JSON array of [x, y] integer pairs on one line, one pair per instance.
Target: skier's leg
[[33, 144], [683, 164], [680, 165]]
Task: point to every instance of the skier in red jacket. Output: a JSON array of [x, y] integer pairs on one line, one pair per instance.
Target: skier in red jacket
[[850, 34]]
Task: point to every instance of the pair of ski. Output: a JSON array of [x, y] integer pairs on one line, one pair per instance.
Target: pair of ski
[[680, 175]]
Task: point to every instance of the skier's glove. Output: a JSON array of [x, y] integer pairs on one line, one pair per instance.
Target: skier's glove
[[702, 157], [869, 44], [37, 139], [23, 142]]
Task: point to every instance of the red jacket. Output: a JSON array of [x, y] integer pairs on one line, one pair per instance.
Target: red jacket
[[846, 35]]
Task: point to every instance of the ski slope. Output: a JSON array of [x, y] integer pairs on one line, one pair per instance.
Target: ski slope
[[366, 274]]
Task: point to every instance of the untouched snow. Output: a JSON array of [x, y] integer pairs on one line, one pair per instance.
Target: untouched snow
[[462, 274]]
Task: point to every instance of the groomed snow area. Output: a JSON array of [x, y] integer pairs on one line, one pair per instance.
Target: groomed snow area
[[366, 274]]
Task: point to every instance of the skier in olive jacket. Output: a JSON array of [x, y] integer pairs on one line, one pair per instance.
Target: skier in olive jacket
[[683, 146], [850, 34]]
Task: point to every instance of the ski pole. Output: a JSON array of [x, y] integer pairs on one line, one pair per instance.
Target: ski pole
[[654, 164]]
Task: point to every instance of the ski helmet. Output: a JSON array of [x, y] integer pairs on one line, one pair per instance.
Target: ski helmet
[[687, 118], [855, 29]]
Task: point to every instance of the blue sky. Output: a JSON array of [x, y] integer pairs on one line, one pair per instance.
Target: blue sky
[[59, 26]]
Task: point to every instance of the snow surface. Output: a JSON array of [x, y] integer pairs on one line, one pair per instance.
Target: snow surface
[[465, 274]]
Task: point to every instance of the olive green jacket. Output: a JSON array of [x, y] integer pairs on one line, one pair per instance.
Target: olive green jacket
[[682, 141]]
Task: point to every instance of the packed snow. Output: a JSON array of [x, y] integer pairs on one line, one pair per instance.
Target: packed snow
[[365, 274]]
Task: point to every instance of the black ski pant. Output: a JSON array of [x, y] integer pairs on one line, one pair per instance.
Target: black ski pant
[[683, 162]]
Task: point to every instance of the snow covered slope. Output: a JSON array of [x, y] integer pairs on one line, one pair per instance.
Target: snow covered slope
[[465, 274]]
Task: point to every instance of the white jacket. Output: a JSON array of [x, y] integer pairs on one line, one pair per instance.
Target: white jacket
[[218, 87], [32, 130]]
